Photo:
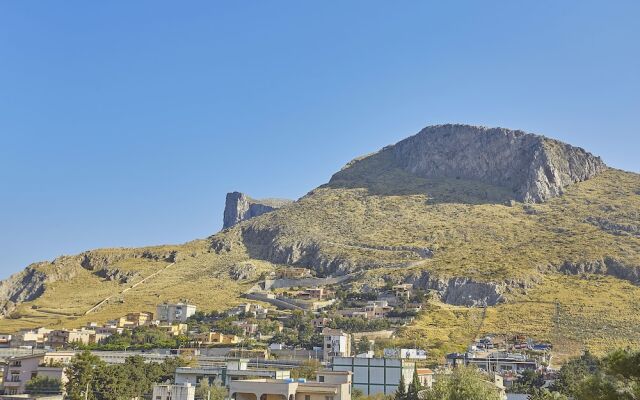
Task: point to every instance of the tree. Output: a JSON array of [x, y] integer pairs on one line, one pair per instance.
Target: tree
[[133, 379], [357, 394], [363, 345], [205, 391], [574, 372], [544, 394], [414, 387], [81, 373], [463, 383], [528, 382], [43, 385], [112, 383], [401, 392], [307, 370]]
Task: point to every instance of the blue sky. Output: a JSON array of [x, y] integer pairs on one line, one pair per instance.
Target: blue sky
[[125, 123]]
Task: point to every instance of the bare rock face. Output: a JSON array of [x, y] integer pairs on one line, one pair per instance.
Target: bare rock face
[[534, 167], [240, 207]]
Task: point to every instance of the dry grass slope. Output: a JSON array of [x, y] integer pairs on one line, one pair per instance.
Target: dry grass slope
[[471, 228]]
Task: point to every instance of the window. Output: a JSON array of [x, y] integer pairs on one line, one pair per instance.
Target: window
[[328, 345], [307, 397], [328, 397], [320, 378]]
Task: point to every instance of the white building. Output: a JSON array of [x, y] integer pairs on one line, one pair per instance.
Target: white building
[[329, 385], [377, 375], [173, 392], [336, 343], [234, 369], [174, 312], [34, 338], [5, 340], [411, 354]]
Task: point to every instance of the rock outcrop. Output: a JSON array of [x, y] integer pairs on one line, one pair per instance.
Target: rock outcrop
[[20, 287], [240, 207], [31, 282], [534, 168]]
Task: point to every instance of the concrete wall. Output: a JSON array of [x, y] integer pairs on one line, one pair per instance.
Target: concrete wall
[[270, 284]]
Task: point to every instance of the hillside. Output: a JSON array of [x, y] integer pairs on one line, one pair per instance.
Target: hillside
[[540, 232]]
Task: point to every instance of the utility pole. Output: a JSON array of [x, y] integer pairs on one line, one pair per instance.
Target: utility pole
[[86, 392]]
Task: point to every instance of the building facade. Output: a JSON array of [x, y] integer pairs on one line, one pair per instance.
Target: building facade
[[328, 385], [494, 362], [223, 375], [173, 392], [336, 343], [375, 375], [22, 369], [171, 313]]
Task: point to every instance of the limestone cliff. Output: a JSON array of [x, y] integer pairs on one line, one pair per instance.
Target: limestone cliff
[[240, 207], [532, 167]]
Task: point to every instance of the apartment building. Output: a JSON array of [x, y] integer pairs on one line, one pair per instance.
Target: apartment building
[[21, 369], [329, 385], [33, 338], [170, 313], [173, 392], [223, 375], [336, 343]]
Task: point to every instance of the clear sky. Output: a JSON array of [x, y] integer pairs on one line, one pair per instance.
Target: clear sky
[[124, 123]]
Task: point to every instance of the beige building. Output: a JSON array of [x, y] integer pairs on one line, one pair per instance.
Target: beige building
[[21, 369], [377, 309], [175, 330], [316, 293], [249, 328], [133, 320], [173, 392], [34, 338], [329, 385], [216, 338], [403, 291], [63, 337], [294, 273]]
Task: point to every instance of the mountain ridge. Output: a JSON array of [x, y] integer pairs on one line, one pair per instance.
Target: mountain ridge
[[465, 238]]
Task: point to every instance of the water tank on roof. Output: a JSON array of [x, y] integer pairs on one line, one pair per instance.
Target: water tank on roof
[[302, 380]]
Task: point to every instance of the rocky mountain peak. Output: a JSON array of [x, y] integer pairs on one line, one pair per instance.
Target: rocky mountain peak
[[240, 207], [534, 168]]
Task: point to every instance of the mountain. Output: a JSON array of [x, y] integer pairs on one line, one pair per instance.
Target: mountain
[[239, 207], [512, 232]]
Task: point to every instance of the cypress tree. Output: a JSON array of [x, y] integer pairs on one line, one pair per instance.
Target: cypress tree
[[414, 387], [401, 392]]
